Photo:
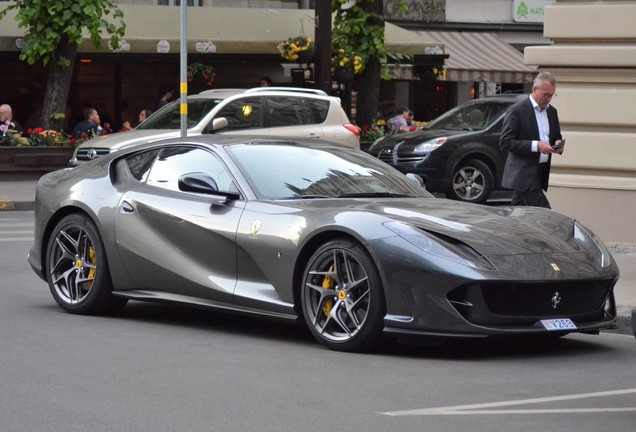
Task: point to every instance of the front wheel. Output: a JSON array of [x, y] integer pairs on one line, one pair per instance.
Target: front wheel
[[342, 298], [472, 181], [77, 270]]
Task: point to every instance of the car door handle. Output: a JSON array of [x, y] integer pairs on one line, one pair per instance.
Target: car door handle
[[127, 207]]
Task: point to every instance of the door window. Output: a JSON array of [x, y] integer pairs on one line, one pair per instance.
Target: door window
[[289, 111], [319, 109], [173, 162], [244, 113]]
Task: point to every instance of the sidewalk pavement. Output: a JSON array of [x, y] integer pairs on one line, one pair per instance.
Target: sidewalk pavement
[[20, 195]]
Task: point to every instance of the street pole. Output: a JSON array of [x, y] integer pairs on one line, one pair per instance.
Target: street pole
[[323, 45], [183, 69]]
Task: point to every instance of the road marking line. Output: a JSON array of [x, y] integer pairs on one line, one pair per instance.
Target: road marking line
[[530, 411], [471, 409]]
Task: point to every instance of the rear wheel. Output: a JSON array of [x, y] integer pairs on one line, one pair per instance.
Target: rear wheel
[[77, 270], [342, 299], [471, 181]]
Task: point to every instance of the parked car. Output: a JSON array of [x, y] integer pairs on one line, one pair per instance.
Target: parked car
[[280, 111], [458, 153], [337, 237]]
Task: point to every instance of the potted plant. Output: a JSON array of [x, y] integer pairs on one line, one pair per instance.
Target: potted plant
[[344, 64], [36, 151], [299, 49], [198, 72]]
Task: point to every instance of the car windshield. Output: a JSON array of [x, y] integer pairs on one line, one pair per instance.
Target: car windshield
[[170, 116], [281, 171], [472, 116]]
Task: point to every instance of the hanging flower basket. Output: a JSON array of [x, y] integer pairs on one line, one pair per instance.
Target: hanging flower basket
[[299, 49], [305, 56], [343, 76], [347, 60], [200, 76]]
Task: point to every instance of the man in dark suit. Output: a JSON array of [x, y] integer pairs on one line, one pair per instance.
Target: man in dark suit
[[530, 130]]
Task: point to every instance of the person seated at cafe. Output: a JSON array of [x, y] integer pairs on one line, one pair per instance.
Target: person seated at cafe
[[7, 122], [398, 122], [143, 115], [90, 126]]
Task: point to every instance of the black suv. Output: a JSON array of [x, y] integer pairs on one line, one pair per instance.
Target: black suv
[[457, 153]]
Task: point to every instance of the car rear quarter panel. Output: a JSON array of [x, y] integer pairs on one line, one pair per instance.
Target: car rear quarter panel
[[86, 189]]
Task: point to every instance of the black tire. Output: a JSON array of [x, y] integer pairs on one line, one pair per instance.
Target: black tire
[[342, 298], [471, 181], [77, 270]]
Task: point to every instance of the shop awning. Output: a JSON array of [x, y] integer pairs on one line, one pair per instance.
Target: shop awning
[[482, 57], [215, 29]]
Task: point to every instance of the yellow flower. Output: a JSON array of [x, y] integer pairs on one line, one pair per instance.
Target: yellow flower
[[346, 60], [292, 47]]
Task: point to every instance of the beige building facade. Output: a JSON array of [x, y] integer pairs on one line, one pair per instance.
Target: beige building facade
[[594, 59]]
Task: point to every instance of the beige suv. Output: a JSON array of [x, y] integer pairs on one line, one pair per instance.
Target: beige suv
[[277, 111]]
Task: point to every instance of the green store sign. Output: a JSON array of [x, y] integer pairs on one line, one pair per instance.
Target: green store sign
[[529, 10]]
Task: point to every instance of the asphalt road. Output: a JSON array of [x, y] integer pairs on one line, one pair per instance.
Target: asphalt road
[[162, 368]]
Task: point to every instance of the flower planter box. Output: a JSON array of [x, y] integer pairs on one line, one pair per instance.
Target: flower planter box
[[34, 159]]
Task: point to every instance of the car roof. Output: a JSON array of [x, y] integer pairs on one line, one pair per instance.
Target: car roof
[[505, 97], [223, 140], [225, 92]]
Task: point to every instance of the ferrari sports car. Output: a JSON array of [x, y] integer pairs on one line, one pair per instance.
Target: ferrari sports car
[[316, 233]]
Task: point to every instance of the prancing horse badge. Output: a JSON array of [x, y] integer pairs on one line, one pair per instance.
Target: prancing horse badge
[[256, 226]]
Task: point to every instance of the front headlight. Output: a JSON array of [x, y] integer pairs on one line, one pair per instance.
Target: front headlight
[[430, 145], [591, 243], [447, 248]]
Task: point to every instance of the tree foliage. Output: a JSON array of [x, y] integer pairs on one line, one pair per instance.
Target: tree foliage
[[53, 31], [359, 27]]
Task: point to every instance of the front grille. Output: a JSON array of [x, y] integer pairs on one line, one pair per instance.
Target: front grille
[[90, 153], [388, 158], [521, 302], [569, 298]]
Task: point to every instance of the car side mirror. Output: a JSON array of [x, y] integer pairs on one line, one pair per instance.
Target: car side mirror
[[199, 182], [217, 125], [415, 179]]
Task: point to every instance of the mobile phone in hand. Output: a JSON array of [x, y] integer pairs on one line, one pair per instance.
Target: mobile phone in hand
[[559, 145]]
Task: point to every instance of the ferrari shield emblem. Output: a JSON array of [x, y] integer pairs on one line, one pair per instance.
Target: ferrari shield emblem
[[555, 267], [256, 225]]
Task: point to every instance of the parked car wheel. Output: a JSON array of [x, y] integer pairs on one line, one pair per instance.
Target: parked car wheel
[[342, 298], [472, 181], [77, 270]]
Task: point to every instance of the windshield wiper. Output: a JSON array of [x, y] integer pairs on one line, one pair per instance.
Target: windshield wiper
[[305, 197]]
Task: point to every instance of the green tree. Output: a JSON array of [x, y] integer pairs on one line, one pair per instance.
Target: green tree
[[359, 27], [53, 32]]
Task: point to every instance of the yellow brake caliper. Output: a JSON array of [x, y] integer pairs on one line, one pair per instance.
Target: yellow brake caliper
[[328, 283], [91, 256]]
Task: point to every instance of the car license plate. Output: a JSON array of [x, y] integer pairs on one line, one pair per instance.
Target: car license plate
[[558, 324]]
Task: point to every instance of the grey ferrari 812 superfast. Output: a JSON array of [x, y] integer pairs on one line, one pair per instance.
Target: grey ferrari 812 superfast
[[316, 233]]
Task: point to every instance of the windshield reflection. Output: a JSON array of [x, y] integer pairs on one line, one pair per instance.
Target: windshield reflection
[[280, 171]]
